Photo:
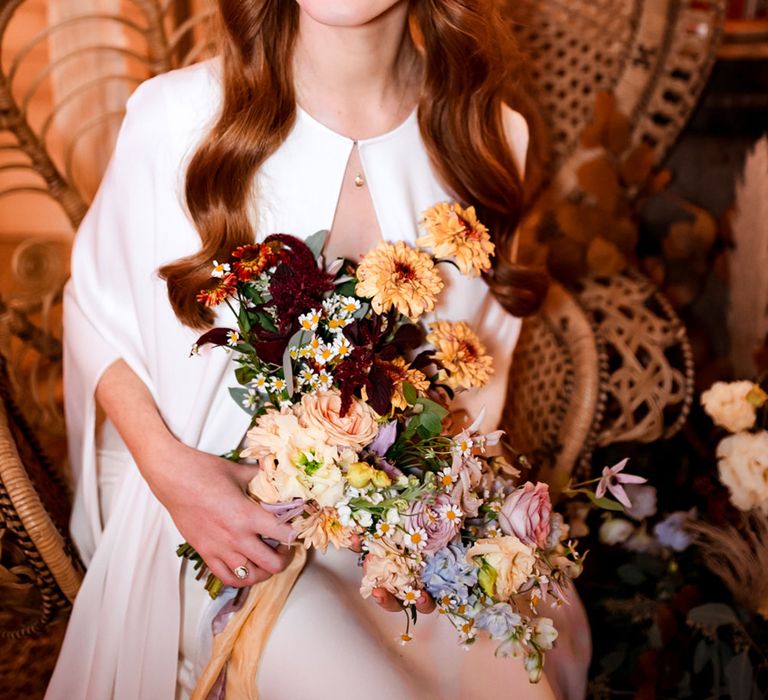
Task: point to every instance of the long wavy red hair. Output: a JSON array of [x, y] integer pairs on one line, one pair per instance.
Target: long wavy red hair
[[465, 63]]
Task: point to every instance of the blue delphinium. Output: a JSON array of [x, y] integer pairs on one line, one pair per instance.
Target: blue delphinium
[[447, 572]]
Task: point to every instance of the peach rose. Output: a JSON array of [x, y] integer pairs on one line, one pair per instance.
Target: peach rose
[[323, 412], [511, 561], [385, 568]]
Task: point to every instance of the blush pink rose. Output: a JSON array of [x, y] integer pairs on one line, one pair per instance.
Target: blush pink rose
[[323, 411], [526, 514]]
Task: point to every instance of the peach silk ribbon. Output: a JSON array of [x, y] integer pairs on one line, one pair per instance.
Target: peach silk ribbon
[[240, 645]]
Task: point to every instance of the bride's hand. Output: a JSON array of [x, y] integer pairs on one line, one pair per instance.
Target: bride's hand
[[206, 497], [425, 604]]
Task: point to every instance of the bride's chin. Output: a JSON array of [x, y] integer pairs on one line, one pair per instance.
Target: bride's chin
[[347, 13]]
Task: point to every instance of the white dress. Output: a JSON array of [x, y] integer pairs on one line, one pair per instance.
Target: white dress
[[140, 627]]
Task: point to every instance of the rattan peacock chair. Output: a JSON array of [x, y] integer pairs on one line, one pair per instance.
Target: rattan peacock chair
[[654, 56]]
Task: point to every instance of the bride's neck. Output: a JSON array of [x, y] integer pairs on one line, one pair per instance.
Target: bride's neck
[[359, 81]]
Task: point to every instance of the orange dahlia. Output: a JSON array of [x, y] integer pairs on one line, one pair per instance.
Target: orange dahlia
[[461, 353], [396, 275], [454, 232], [399, 372]]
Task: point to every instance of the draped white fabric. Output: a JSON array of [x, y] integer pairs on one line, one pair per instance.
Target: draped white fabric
[[123, 639]]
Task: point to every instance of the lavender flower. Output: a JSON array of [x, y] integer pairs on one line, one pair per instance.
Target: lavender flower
[[448, 573]]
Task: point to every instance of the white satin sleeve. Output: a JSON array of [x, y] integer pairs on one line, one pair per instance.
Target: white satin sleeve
[[107, 301]]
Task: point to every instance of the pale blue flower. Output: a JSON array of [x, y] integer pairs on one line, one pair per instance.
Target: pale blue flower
[[447, 572], [499, 620], [670, 532]]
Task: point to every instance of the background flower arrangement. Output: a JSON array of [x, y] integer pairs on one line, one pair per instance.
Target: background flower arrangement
[[679, 579]]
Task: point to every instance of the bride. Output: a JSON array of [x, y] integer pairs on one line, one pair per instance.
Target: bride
[[349, 115]]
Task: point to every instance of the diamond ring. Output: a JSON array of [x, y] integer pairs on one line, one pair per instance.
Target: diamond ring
[[241, 572]]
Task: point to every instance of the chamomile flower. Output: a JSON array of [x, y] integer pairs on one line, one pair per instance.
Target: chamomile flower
[[306, 377], [220, 269], [324, 353], [324, 380], [330, 304], [415, 539], [384, 529], [306, 352], [451, 513], [277, 385], [492, 532], [336, 324], [261, 382], [409, 596], [404, 638], [342, 347], [348, 305], [309, 321], [233, 338], [294, 353], [446, 478], [462, 445]]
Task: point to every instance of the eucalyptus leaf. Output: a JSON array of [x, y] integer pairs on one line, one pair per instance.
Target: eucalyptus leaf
[[316, 241], [713, 615], [739, 676]]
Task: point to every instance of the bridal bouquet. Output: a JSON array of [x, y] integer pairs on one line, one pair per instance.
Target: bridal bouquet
[[349, 390]]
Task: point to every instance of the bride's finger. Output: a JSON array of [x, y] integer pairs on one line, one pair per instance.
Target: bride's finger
[[425, 603], [386, 600], [235, 565]]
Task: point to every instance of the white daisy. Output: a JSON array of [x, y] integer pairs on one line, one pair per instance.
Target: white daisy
[[409, 595], [306, 377], [220, 269], [250, 399], [384, 529], [233, 338], [324, 353], [261, 382], [415, 539], [309, 321], [446, 478], [337, 324], [277, 385], [348, 305], [451, 513], [342, 347], [324, 380]]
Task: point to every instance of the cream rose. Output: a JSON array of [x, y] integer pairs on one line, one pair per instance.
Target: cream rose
[[511, 560], [727, 405], [322, 411], [743, 468]]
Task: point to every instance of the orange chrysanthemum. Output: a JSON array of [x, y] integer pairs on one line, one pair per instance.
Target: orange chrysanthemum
[[461, 353], [323, 527], [396, 275], [455, 233], [399, 372], [225, 288]]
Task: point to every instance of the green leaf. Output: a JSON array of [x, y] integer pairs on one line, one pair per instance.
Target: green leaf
[[410, 393], [604, 503], [739, 675], [316, 241], [266, 322], [432, 423], [430, 406], [713, 615]]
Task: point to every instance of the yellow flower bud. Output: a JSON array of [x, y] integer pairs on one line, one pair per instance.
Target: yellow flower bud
[[359, 474], [381, 479]]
